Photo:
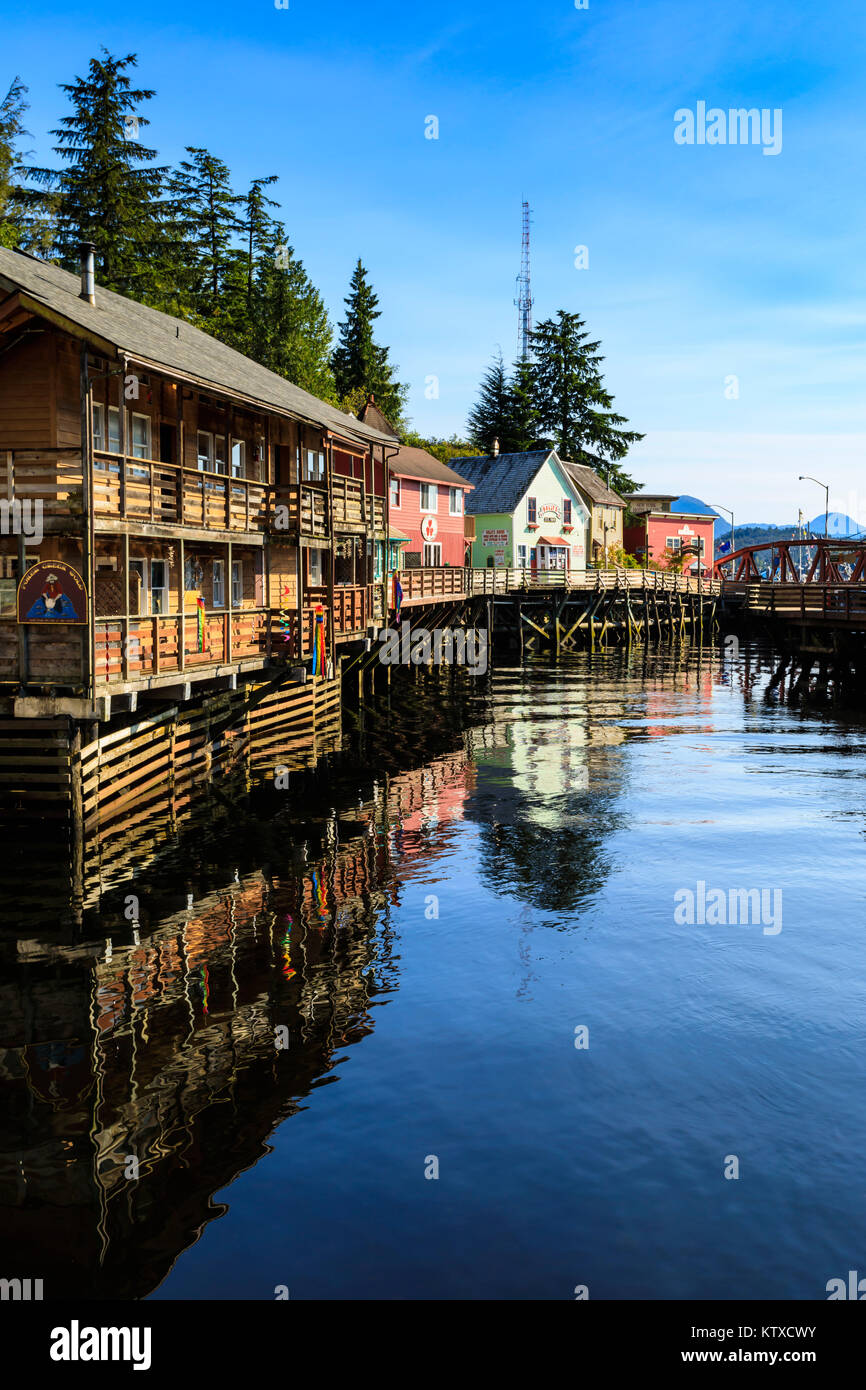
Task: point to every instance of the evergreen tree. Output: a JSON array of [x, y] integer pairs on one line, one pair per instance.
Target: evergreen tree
[[523, 427], [572, 402], [108, 192], [488, 419], [505, 410], [203, 224], [359, 363], [291, 332], [13, 220]]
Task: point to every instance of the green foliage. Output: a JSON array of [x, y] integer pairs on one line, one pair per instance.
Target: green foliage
[[442, 449], [290, 332], [359, 363], [504, 411], [12, 217], [201, 224], [571, 401], [107, 192]]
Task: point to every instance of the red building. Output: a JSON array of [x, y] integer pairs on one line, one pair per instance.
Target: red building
[[658, 536], [427, 501]]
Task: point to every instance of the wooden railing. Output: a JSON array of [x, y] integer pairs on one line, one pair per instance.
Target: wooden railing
[[839, 603], [348, 502], [350, 607], [504, 581], [167, 643], [441, 582], [301, 510], [51, 478], [145, 490]]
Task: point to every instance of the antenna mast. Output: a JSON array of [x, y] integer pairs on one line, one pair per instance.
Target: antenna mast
[[524, 293]]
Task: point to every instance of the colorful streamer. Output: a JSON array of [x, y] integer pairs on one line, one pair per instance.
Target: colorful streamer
[[319, 640], [199, 603]]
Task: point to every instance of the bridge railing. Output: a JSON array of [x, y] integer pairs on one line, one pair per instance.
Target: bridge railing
[[830, 602], [507, 581]]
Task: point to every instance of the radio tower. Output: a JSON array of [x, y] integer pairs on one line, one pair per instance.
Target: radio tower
[[524, 294]]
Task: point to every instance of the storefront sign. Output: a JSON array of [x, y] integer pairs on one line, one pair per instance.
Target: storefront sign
[[52, 592], [429, 528], [494, 538]]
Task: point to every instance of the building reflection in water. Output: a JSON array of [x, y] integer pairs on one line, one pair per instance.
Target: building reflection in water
[[157, 1052]]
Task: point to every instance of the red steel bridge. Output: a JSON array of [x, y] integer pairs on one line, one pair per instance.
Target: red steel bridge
[[809, 583], [816, 561]]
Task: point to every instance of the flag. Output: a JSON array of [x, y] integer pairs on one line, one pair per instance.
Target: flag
[[724, 547]]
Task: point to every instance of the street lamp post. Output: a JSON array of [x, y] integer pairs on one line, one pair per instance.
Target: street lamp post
[[807, 477]]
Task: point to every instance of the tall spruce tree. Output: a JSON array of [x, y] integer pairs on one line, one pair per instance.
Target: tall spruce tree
[[291, 332], [14, 229], [359, 363], [108, 192], [573, 405], [488, 419], [202, 227], [504, 410]]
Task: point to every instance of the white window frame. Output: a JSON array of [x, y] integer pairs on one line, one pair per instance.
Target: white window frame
[[238, 453], [567, 511], [432, 559], [164, 589], [532, 511], [148, 442], [392, 484], [206, 454], [455, 501], [314, 466], [315, 567], [109, 444], [219, 583], [99, 440], [674, 544], [114, 418], [522, 559], [432, 503], [237, 583]]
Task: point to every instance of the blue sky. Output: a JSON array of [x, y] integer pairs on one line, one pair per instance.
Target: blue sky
[[706, 262]]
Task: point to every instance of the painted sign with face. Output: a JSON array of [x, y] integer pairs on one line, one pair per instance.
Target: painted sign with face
[[52, 592]]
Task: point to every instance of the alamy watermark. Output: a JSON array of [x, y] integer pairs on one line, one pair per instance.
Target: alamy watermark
[[737, 126], [444, 646], [757, 907], [19, 518]]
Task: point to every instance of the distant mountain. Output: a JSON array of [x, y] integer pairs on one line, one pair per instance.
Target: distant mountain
[[838, 525], [687, 503]]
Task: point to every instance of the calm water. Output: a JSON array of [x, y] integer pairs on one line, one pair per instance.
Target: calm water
[[483, 870]]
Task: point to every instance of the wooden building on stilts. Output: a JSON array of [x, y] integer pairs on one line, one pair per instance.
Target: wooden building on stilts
[[175, 519]]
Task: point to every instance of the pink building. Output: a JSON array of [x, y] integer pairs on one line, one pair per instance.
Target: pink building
[[657, 536], [428, 504], [427, 501]]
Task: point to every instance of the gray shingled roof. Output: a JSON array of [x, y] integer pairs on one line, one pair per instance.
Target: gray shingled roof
[[589, 482], [171, 344], [500, 480]]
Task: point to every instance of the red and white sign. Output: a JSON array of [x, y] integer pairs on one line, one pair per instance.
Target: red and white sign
[[429, 528]]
